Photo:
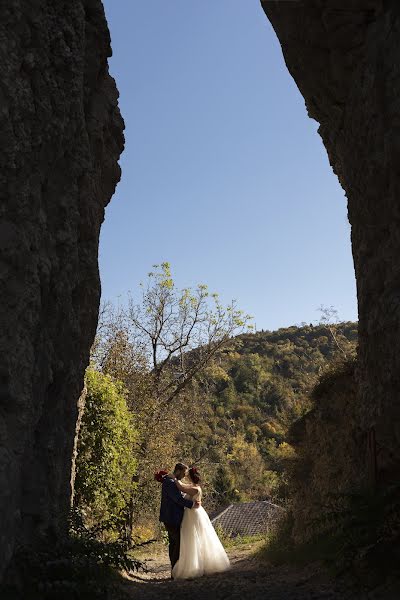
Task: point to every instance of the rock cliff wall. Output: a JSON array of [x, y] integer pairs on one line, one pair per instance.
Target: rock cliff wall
[[61, 137], [345, 57]]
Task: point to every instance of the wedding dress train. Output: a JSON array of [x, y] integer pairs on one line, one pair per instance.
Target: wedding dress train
[[201, 552]]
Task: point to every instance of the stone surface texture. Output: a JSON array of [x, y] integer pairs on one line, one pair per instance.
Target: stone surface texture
[[330, 451], [61, 137], [345, 58]]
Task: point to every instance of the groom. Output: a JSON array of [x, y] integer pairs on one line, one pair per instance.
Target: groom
[[173, 503]]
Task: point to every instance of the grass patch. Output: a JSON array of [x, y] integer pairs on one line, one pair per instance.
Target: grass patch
[[280, 549], [229, 542]]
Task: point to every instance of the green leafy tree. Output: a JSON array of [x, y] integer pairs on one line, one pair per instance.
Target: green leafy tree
[[105, 465], [224, 486]]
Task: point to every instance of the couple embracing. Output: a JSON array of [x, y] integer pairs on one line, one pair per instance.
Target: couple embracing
[[194, 546]]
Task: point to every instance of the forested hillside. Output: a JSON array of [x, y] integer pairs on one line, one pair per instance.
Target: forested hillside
[[249, 396], [193, 383]]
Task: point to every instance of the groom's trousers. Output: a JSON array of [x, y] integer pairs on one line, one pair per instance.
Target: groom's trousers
[[174, 542]]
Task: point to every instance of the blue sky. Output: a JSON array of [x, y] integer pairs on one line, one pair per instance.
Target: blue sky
[[223, 174]]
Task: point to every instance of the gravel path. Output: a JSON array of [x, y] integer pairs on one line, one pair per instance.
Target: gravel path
[[247, 580]]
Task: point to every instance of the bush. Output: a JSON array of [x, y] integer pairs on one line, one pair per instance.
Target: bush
[[81, 567], [105, 464]]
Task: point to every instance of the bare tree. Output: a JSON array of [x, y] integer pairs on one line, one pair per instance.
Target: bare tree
[[180, 331], [330, 319]]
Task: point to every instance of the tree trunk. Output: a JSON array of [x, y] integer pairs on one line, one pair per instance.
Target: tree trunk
[[81, 410]]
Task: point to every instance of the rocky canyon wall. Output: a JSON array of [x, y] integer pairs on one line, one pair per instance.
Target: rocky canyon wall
[[345, 59], [61, 137]]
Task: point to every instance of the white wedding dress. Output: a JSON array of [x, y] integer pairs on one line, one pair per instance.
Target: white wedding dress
[[201, 552]]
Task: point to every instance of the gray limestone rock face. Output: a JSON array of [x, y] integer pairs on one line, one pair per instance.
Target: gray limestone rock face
[[61, 137], [345, 58]]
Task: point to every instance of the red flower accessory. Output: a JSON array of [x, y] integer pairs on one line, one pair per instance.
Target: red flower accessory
[[159, 476], [194, 470]]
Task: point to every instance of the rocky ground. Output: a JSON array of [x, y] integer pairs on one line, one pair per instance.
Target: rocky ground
[[248, 579]]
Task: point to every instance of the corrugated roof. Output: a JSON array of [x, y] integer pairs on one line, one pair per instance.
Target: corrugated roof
[[247, 518]]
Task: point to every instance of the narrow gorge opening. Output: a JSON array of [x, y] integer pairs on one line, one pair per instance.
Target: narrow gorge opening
[[63, 136]]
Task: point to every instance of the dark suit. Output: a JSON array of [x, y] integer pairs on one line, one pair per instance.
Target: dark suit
[[171, 514]]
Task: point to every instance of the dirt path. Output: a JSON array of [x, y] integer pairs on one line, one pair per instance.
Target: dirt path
[[248, 579]]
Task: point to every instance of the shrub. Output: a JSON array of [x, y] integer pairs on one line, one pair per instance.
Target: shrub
[[105, 464]]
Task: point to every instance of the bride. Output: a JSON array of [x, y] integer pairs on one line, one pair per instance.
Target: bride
[[201, 552]]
